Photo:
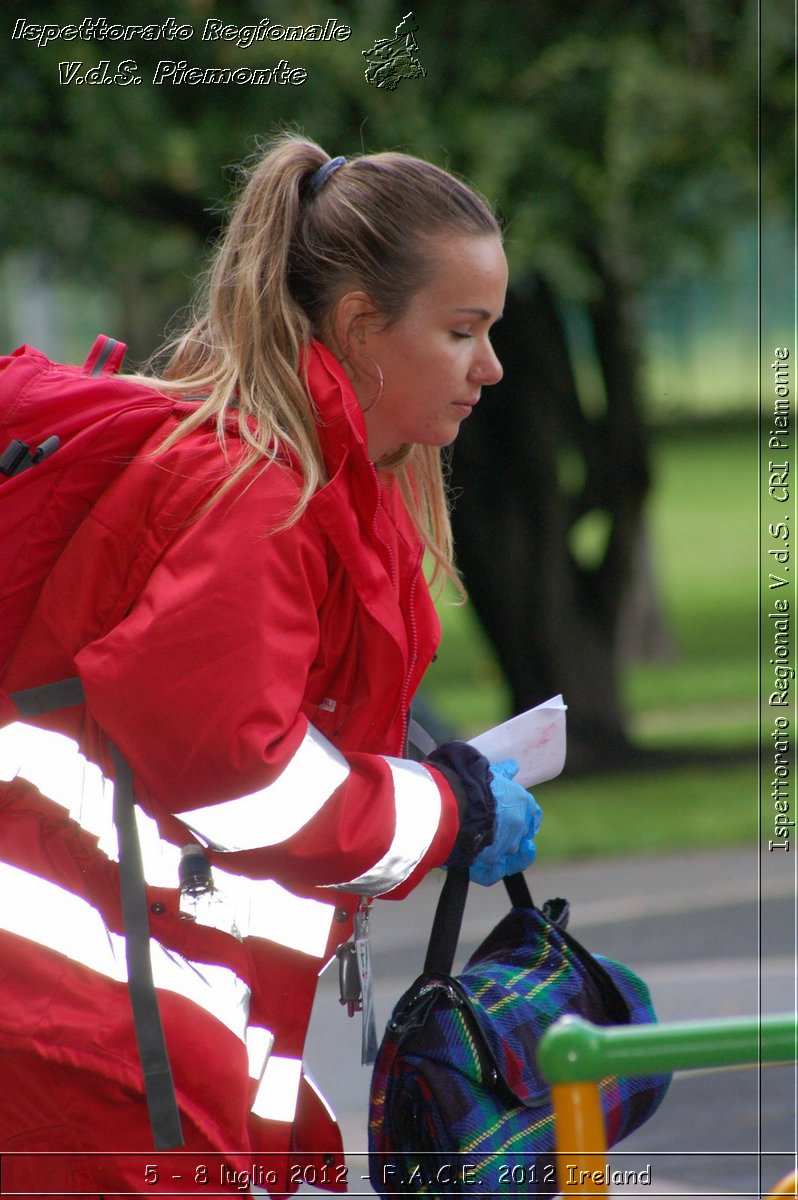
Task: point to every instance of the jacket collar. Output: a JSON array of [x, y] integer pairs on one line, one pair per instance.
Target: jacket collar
[[340, 423], [351, 506]]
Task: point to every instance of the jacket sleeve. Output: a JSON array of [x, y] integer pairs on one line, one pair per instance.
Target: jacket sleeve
[[201, 686]]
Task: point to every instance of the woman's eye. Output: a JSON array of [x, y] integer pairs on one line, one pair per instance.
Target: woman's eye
[[456, 333]]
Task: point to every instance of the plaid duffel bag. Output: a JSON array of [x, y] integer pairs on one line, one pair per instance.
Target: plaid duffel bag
[[457, 1103]]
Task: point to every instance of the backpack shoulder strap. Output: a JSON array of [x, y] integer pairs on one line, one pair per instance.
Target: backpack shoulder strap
[[105, 356], [159, 1087], [48, 697]]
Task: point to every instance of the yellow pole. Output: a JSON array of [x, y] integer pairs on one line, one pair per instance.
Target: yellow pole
[[788, 1186], [582, 1167]]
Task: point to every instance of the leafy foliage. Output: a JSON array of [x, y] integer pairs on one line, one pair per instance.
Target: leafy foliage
[[635, 124]]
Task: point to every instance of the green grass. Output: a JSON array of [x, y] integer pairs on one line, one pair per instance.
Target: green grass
[[646, 812], [702, 696], [703, 528]]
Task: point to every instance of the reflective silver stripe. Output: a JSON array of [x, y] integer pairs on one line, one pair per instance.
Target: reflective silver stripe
[[276, 812], [418, 814], [56, 918], [265, 909], [160, 858], [51, 916], [259, 1046], [54, 764], [276, 1098]]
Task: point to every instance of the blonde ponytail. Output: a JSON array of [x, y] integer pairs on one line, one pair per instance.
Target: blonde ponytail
[[243, 351]]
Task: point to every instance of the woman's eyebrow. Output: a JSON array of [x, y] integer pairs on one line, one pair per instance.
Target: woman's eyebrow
[[480, 312]]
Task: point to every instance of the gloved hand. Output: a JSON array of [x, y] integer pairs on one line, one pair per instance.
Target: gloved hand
[[517, 820], [498, 817]]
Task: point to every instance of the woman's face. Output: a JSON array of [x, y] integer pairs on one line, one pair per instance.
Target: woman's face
[[437, 357]]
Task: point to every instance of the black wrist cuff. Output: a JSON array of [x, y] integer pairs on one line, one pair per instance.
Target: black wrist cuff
[[468, 774]]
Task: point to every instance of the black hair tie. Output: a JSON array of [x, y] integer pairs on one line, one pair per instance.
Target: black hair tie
[[325, 172]]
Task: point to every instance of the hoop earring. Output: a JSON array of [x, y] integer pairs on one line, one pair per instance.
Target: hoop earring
[[374, 401]]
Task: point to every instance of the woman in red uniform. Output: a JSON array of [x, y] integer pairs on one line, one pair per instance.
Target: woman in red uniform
[[246, 610]]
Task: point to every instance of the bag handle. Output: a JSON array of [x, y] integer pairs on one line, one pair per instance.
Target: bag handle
[[448, 918]]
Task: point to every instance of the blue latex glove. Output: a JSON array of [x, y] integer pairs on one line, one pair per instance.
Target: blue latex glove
[[518, 818]]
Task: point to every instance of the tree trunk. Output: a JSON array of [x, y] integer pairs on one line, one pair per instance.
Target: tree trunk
[[553, 620]]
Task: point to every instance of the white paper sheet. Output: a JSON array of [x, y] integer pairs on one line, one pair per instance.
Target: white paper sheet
[[535, 739]]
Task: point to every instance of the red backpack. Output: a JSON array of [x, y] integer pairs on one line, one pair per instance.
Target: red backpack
[[65, 433]]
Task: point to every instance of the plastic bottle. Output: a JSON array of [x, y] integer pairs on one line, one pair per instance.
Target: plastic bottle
[[200, 899]]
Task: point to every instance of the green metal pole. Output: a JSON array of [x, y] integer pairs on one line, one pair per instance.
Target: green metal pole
[[574, 1050]]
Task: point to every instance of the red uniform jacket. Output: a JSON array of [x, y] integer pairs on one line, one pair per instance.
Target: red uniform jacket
[[258, 683]]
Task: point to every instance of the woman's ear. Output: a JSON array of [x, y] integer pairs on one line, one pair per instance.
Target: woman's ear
[[354, 317]]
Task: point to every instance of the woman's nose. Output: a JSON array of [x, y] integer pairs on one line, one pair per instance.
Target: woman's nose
[[487, 369]]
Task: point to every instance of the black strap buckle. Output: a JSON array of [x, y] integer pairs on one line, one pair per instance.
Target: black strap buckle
[[17, 455]]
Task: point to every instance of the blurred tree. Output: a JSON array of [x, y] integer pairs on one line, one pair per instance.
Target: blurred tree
[[619, 137], [616, 138]]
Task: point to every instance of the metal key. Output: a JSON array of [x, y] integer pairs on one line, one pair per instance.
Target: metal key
[[349, 978]]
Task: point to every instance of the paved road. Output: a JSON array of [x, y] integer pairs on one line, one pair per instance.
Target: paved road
[[714, 934]]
